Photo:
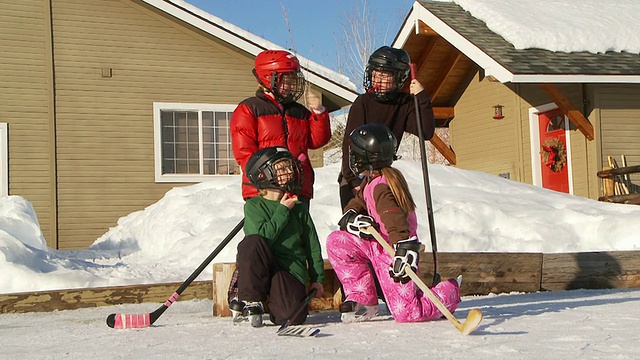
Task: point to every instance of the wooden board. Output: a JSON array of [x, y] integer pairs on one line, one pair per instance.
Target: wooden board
[[83, 298], [592, 270], [485, 273], [222, 273]]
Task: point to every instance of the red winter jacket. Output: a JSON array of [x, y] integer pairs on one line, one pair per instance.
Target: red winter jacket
[[258, 122]]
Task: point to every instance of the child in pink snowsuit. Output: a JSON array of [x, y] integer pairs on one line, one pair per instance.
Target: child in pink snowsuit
[[384, 201]]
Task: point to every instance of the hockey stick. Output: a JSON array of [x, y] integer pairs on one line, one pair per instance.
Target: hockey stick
[[126, 321], [427, 187], [285, 326], [473, 319]]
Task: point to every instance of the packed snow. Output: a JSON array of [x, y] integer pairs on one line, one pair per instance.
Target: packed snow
[[165, 242], [473, 212]]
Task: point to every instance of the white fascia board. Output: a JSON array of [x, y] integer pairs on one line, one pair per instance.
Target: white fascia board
[[582, 78], [410, 24]]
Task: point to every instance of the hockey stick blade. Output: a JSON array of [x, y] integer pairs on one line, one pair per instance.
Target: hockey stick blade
[[298, 331], [471, 323], [136, 321], [303, 303]]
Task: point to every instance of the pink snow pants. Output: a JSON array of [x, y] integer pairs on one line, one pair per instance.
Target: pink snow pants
[[350, 255]]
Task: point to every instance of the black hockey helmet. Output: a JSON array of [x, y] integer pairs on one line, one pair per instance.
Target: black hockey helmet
[[274, 168], [372, 147], [391, 60]]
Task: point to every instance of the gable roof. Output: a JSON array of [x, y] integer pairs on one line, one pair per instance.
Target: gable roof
[[501, 60], [315, 73]]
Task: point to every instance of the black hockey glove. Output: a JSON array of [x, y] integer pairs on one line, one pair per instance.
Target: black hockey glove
[[407, 254], [355, 223]]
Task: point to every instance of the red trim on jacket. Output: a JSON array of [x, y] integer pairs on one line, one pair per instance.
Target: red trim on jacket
[[258, 122]]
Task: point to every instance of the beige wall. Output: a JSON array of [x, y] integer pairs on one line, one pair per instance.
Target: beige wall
[[26, 100], [481, 142], [618, 108], [105, 125], [89, 160], [498, 146]]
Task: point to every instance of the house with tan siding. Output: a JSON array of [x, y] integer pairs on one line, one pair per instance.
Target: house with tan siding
[[515, 113], [107, 104]]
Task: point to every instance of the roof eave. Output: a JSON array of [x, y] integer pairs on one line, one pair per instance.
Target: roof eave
[[207, 23], [490, 66]]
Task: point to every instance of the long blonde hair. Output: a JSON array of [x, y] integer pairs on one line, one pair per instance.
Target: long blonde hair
[[399, 189]]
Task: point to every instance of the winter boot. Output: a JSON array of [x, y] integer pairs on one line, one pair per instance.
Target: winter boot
[[254, 310], [352, 311]]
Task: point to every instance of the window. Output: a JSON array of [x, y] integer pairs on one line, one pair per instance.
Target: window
[[4, 160], [192, 142]]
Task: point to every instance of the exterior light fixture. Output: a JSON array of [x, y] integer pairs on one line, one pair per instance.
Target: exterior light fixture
[[497, 112]]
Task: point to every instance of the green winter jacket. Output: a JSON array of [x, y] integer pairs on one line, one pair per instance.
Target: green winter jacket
[[291, 235]]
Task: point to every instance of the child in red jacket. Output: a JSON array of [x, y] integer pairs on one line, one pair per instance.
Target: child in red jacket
[[273, 117]]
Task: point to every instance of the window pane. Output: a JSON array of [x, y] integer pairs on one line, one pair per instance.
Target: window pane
[[167, 118], [181, 142], [208, 150], [192, 134], [207, 119], [168, 151], [194, 166], [192, 119], [181, 151], [180, 118], [222, 119]]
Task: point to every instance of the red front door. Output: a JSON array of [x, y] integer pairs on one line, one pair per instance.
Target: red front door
[[553, 144]]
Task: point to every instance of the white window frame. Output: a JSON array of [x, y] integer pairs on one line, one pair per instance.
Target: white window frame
[[157, 129], [4, 160]]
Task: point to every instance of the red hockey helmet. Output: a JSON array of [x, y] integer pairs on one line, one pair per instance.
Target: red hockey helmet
[[278, 71]]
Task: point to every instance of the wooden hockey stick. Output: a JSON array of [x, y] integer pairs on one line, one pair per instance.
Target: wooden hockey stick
[[475, 315]]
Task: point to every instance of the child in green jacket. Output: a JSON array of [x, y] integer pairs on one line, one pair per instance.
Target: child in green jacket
[[280, 253]]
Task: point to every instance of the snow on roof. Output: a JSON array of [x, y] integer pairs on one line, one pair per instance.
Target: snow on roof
[[594, 26]]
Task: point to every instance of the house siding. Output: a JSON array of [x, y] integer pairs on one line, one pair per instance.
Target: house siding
[[532, 96], [504, 146], [25, 103], [105, 125], [482, 143], [619, 114]]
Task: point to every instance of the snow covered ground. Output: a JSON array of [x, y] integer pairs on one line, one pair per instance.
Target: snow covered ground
[[169, 239], [165, 242], [577, 324]]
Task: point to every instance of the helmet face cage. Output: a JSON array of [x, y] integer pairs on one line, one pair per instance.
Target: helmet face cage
[[386, 73], [278, 71], [372, 147], [287, 87], [275, 168]]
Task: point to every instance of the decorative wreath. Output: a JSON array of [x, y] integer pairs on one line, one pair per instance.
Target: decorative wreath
[[554, 154]]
